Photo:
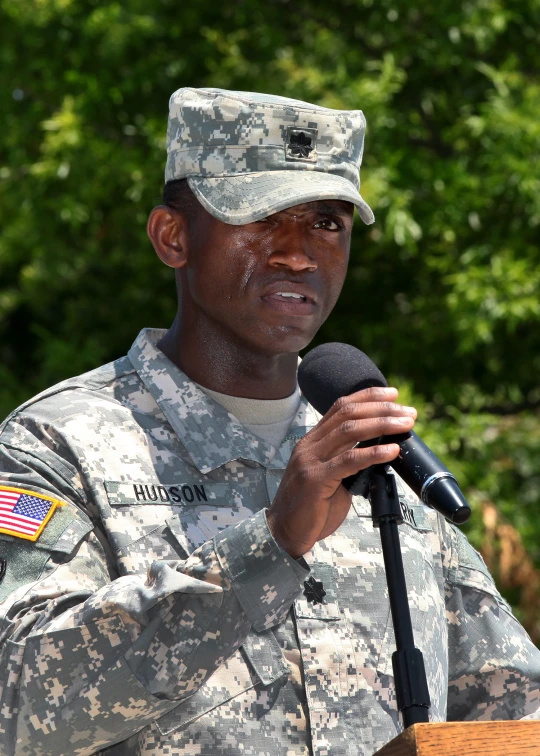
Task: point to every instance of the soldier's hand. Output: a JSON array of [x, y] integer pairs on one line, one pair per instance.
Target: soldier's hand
[[311, 503]]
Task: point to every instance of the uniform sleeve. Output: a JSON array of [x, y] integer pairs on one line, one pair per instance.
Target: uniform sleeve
[[494, 668], [88, 658]]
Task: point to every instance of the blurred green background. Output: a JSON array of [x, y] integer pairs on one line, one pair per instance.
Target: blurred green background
[[443, 291]]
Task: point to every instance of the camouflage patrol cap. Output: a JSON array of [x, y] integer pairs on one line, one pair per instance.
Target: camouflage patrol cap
[[247, 155]]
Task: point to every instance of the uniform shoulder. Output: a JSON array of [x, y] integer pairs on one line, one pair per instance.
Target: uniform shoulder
[[104, 384]]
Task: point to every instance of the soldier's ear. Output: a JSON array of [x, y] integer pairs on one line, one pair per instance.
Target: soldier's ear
[[168, 231]]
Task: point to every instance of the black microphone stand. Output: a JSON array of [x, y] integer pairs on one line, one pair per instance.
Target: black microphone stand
[[407, 661]]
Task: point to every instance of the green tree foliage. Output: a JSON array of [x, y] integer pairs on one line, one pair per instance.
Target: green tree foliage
[[442, 291]]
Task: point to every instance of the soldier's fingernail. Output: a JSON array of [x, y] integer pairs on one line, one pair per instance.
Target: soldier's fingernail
[[409, 410]]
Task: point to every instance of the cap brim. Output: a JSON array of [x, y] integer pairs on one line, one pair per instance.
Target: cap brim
[[245, 198]]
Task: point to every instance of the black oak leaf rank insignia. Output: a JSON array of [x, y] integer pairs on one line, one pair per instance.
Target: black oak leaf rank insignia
[[300, 145], [314, 591]]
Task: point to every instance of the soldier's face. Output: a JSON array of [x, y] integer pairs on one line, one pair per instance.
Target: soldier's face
[[272, 283]]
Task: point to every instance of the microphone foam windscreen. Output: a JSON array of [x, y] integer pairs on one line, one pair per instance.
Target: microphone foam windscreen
[[333, 370]]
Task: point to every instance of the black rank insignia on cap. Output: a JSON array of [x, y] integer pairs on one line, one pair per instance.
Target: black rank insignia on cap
[[300, 144], [314, 591]]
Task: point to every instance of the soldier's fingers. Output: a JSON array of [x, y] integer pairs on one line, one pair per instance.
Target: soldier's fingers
[[350, 407], [347, 429], [351, 432], [365, 410], [352, 461], [373, 394]]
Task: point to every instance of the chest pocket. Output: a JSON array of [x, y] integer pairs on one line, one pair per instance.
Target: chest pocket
[[259, 663], [357, 579], [256, 665], [173, 530], [153, 520], [423, 591], [149, 521]]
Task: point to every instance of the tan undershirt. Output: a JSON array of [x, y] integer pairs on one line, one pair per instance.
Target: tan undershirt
[[267, 418]]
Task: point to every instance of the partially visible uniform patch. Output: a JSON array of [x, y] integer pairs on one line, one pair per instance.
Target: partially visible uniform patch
[[24, 513]]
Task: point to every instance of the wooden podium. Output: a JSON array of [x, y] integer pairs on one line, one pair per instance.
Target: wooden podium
[[466, 739]]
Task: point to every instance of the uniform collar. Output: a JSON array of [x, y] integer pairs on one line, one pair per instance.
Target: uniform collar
[[210, 434]]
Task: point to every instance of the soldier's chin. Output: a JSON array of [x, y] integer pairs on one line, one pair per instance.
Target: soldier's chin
[[287, 340]]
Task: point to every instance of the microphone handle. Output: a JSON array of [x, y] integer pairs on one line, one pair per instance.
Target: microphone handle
[[423, 472], [416, 464]]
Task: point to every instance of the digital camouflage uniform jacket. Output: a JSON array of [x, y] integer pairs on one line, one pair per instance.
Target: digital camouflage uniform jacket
[[153, 613]]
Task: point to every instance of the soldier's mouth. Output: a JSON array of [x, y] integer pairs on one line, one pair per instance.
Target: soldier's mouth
[[290, 303]]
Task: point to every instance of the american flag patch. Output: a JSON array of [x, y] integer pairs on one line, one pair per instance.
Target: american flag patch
[[25, 513]]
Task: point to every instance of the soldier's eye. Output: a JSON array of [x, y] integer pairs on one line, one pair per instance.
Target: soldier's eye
[[330, 224]]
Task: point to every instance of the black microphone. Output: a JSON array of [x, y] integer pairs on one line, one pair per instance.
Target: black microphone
[[333, 370]]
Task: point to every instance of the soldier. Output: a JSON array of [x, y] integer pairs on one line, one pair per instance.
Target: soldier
[[166, 521]]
